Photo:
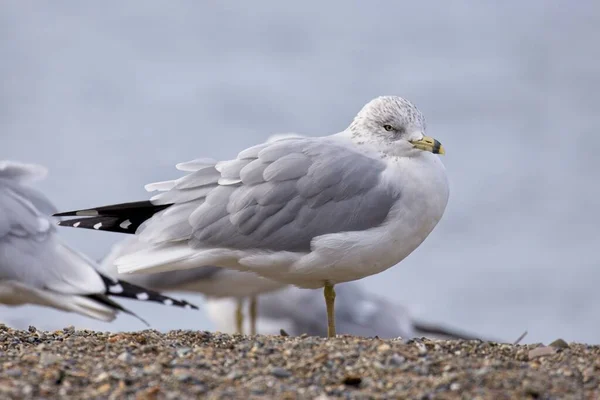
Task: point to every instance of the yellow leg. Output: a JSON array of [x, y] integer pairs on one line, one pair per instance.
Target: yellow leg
[[239, 317], [329, 293], [253, 313]]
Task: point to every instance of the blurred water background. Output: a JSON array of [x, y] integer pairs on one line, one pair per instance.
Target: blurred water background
[[111, 95]]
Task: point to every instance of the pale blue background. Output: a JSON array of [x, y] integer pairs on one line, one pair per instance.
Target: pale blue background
[[110, 95]]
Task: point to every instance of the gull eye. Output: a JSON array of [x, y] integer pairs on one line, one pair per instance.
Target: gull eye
[[388, 128]]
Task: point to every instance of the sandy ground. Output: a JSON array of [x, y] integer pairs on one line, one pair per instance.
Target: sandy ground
[[189, 365]]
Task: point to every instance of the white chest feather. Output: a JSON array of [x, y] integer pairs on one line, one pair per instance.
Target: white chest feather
[[423, 195]]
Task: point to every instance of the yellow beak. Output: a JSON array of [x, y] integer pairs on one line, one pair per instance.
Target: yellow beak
[[429, 144]]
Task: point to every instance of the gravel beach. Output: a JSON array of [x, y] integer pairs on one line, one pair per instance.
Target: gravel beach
[[85, 364]]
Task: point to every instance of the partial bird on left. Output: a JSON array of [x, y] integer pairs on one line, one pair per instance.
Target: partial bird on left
[[37, 267]]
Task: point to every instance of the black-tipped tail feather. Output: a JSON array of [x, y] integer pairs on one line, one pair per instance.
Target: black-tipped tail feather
[[127, 290], [121, 218], [103, 299]]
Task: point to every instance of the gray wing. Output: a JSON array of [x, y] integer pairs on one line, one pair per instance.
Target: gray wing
[[170, 280], [275, 196], [21, 214], [30, 252]]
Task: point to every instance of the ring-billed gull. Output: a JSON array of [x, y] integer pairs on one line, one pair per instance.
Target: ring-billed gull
[[308, 211], [37, 267], [212, 282], [358, 312]]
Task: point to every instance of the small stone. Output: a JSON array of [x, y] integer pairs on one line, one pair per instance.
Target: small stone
[[47, 359], [280, 372], [258, 391], [352, 380], [148, 394], [397, 360], [235, 374], [173, 396], [13, 373], [125, 357], [282, 332], [455, 386], [153, 369], [101, 377], [181, 374], [421, 348], [183, 351], [103, 389], [383, 348], [559, 344], [198, 388], [541, 352], [118, 376]]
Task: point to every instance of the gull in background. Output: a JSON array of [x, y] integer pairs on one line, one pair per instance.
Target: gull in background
[[212, 282], [358, 312], [37, 267], [306, 211]]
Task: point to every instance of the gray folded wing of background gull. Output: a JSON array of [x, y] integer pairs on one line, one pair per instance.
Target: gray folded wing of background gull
[[207, 280], [359, 312]]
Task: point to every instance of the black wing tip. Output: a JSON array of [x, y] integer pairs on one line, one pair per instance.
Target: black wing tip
[[104, 223], [120, 218], [77, 213], [119, 288], [113, 210], [103, 299]]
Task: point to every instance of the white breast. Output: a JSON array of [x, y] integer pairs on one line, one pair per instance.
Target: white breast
[[343, 257]]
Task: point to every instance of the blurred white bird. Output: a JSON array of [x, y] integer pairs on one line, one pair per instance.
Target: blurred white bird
[[37, 267], [358, 312], [212, 282]]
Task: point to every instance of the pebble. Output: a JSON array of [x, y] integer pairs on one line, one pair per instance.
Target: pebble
[[125, 357], [280, 372], [48, 359], [102, 377], [181, 374], [541, 352], [183, 351], [149, 365], [383, 348], [13, 373], [559, 344], [235, 374]]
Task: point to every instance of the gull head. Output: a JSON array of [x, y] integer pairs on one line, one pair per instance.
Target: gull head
[[395, 126]]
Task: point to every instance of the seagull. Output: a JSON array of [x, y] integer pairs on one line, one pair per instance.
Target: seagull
[[307, 211], [296, 311], [37, 267], [211, 281]]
